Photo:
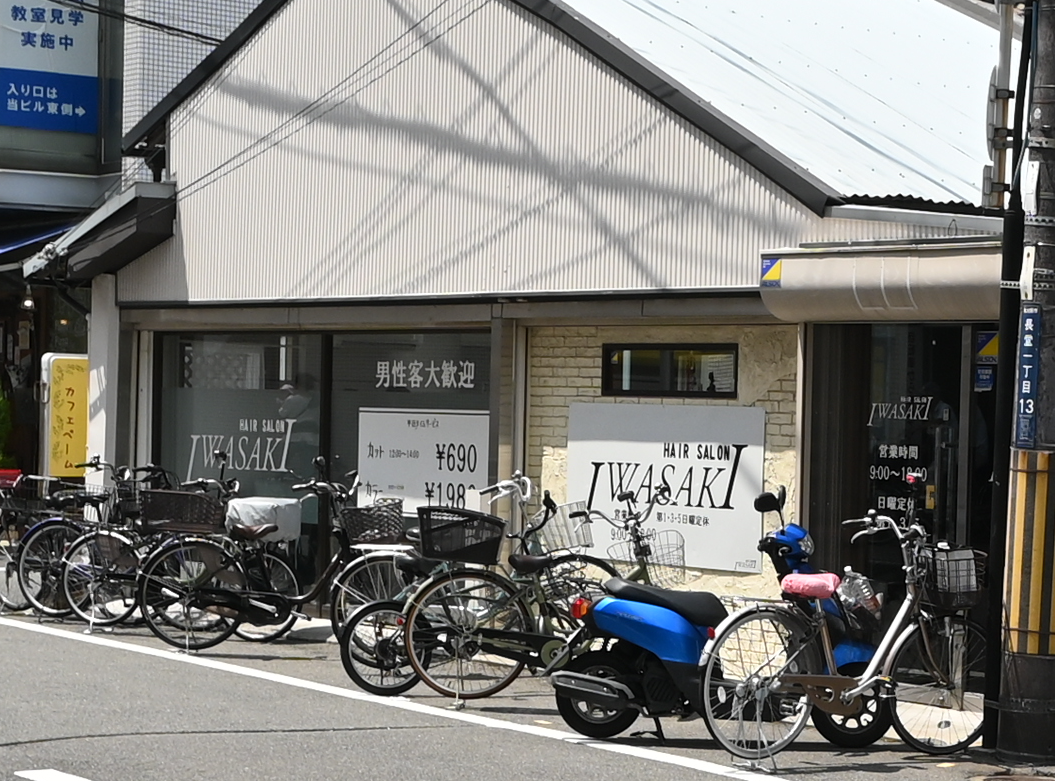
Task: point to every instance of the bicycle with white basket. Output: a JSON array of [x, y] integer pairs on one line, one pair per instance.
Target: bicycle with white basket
[[657, 557]]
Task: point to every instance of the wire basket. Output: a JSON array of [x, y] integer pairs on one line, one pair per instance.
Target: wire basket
[[953, 578], [665, 557], [465, 536], [562, 532], [567, 581], [381, 521], [181, 512]]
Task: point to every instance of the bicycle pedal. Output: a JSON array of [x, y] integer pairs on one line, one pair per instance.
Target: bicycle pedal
[[688, 717], [887, 688], [301, 616]]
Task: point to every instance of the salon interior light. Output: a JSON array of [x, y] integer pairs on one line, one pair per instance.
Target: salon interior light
[[27, 300]]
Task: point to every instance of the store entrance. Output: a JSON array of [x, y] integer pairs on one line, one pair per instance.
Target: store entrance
[[928, 409]]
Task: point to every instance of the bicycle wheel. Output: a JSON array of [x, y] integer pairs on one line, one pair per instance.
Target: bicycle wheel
[[744, 709], [99, 579], [40, 564], [179, 591], [939, 672], [369, 578], [283, 581], [11, 596], [450, 622], [373, 650]]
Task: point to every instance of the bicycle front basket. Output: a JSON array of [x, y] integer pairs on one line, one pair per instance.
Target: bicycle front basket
[[562, 532], [453, 534], [183, 512], [665, 558], [379, 522], [953, 578]]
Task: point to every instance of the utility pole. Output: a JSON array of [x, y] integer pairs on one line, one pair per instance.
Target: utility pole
[[1027, 702]]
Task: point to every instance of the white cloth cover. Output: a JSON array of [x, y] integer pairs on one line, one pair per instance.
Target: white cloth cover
[[257, 510]]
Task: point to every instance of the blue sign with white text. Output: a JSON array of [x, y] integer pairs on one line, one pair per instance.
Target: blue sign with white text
[[1026, 380], [49, 101]]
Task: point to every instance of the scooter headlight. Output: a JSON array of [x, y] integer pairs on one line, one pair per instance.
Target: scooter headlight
[[806, 543]]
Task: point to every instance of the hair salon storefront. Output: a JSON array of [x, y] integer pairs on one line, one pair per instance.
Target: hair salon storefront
[[409, 410], [900, 377]]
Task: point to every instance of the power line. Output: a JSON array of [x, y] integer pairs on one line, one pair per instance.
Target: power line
[[370, 72], [140, 21]]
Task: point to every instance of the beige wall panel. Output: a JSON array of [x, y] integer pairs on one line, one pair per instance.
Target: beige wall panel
[[351, 151], [565, 368]]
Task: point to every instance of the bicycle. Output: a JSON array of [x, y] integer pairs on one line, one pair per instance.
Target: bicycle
[[770, 664], [657, 559], [69, 510], [101, 568], [195, 593], [470, 632]]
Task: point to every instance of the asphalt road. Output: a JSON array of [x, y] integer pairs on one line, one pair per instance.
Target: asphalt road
[[121, 706]]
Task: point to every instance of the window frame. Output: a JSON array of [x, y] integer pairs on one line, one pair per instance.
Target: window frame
[[726, 348]]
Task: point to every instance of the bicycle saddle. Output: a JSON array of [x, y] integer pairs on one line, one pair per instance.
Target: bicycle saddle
[[252, 532], [526, 564], [701, 608]]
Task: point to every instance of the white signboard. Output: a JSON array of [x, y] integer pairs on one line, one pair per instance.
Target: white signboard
[[428, 457], [709, 457]]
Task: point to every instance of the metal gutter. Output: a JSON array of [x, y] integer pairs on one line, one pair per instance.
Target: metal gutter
[[157, 190], [954, 222]]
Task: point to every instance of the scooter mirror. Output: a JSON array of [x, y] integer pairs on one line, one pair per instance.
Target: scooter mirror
[[768, 502], [320, 463]]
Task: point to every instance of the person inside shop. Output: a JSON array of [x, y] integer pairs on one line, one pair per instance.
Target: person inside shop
[[298, 405]]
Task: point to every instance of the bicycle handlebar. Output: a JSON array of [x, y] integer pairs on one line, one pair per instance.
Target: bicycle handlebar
[[633, 518], [519, 484], [874, 523]]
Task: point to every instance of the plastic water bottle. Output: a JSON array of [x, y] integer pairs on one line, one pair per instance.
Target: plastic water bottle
[[858, 590]]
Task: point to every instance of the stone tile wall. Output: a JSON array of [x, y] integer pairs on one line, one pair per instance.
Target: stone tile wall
[[565, 368]]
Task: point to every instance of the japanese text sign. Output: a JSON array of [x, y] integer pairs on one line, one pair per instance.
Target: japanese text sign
[[49, 67], [67, 416]]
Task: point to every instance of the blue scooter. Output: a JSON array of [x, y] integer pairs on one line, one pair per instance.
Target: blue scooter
[[653, 641]]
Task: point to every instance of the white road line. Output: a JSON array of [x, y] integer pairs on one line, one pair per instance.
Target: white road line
[[400, 703], [47, 775]]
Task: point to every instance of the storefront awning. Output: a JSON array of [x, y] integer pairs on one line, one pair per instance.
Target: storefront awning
[[12, 253], [953, 281], [114, 235]]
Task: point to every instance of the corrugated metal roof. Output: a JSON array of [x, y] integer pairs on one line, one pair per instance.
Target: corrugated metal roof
[[872, 97]]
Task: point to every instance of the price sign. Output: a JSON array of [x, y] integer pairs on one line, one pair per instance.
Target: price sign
[[427, 457]]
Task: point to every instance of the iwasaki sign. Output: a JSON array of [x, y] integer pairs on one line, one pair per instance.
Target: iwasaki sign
[[709, 457]]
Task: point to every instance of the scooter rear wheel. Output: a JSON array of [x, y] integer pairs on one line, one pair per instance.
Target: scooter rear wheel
[[595, 721]]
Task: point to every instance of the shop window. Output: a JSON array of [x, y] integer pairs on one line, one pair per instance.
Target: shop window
[[704, 370], [410, 412], [255, 397]]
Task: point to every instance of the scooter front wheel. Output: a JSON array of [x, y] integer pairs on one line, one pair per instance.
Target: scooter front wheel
[[595, 721]]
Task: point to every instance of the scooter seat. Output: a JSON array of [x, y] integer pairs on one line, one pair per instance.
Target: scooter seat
[[701, 608]]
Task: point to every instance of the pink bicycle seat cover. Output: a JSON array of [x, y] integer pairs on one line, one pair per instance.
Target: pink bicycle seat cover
[[820, 585]]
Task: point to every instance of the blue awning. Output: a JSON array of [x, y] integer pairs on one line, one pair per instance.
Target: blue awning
[[27, 243]]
